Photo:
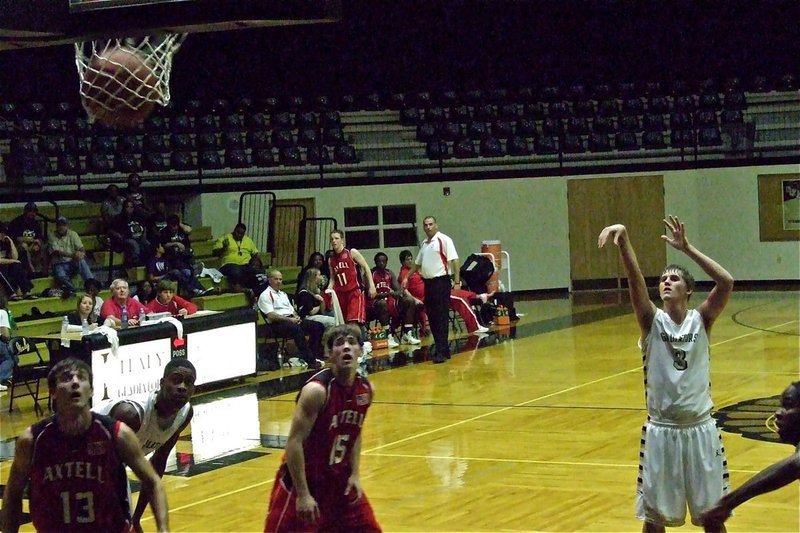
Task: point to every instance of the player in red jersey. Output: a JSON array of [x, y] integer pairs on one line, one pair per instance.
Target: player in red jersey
[[344, 279], [391, 303], [415, 289], [317, 487], [75, 464]]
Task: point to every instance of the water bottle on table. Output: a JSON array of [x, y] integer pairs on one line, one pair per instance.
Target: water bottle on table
[[64, 328], [124, 317], [84, 327]]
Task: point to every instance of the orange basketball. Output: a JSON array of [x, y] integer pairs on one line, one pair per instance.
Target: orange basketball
[[118, 87]]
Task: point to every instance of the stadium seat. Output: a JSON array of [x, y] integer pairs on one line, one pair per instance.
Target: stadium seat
[[154, 143], [552, 126], [709, 136], [583, 108], [333, 136], [658, 104], [126, 163], [604, 125], [104, 145], [316, 155], [129, 144], [653, 122], [345, 154], [629, 123], [491, 147], [485, 112], [546, 145], [559, 110], [207, 141], [330, 119], [476, 130], [263, 157], [236, 158], [608, 108], [573, 144], [599, 142], [709, 101], [206, 123], [50, 144], [632, 106], [290, 156], [306, 119], [68, 164], [437, 150], [735, 100], [209, 159], [427, 132], [154, 162], [434, 114], [182, 160], [682, 138], [258, 139], [503, 129], [282, 138], [282, 120], [181, 124], [626, 141], [731, 116], [577, 126], [465, 148], [707, 118], [100, 163], [653, 140], [257, 121], [526, 127], [409, 116], [451, 131], [534, 110], [155, 124], [684, 103], [517, 146], [233, 121]]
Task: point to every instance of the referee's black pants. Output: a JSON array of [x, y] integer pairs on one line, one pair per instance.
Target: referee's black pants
[[437, 306]]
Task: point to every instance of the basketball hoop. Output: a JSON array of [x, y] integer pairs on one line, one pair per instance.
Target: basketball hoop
[[122, 79]]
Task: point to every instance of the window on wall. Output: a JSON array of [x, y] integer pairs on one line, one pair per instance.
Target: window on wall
[[378, 227]]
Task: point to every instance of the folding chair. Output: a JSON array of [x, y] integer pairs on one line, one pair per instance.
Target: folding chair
[[28, 372]]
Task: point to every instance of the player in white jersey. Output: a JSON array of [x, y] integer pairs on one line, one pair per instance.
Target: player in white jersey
[[775, 476], [682, 460], [158, 418]]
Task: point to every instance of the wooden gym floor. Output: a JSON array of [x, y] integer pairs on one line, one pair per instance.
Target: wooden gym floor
[[532, 429]]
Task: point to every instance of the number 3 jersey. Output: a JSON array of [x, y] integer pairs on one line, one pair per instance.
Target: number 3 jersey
[[78, 483], [676, 361], [329, 446]]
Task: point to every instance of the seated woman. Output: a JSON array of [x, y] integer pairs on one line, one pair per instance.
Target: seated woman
[[84, 310], [315, 260], [309, 301], [7, 357], [145, 292], [167, 301]]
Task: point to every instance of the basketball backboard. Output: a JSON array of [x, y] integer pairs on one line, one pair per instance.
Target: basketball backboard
[[34, 23]]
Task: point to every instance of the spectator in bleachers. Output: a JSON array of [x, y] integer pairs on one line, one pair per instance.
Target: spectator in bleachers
[[315, 260], [159, 268], [158, 221], [309, 301], [92, 288], [282, 317], [111, 206], [67, 257], [84, 310], [235, 250], [111, 312], [175, 240], [27, 233], [167, 301], [7, 357], [14, 280], [256, 279], [136, 194], [127, 230], [145, 292]]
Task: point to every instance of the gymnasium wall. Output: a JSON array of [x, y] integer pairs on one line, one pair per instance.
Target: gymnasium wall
[[529, 217]]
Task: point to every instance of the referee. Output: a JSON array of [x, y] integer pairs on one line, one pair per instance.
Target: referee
[[436, 259]]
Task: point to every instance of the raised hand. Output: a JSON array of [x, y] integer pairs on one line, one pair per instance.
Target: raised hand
[[678, 238], [614, 232]]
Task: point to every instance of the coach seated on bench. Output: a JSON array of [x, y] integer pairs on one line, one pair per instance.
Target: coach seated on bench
[[283, 320]]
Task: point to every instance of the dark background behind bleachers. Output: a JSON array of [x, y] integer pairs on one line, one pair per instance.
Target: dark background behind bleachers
[[384, 46]]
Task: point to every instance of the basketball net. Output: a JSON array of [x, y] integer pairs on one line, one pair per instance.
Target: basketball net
[[155, 52]]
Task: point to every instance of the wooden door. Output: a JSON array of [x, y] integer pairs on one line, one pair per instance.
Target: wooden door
[[637, 202], [288, 215]]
